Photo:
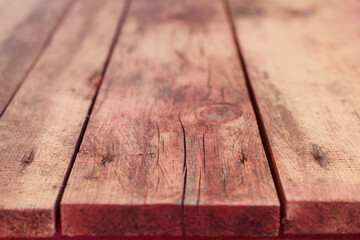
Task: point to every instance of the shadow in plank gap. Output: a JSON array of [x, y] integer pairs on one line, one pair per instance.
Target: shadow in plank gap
[[172, 146], [40, 126], [302, 60]]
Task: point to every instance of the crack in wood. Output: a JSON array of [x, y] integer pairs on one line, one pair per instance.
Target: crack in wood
[[222, 94], [184, 177], [208, 83], [184, 138], [158, 145], [199, 191], [27, 159], [243, 157], [203, 146]]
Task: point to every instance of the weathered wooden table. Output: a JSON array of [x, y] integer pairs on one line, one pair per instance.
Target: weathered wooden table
[[180, 118]]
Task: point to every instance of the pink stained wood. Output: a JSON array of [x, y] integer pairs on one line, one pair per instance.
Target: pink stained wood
[[41, 126], [26, 28], [303, 62], [172, 146]]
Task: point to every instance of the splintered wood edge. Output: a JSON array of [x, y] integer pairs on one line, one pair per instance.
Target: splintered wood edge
[[307, 217], [27, 222], [169, 220]]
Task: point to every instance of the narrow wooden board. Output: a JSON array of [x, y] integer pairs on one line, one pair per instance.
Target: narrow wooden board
[[303, 61], [25, 29], [172, 146], [41, 126]]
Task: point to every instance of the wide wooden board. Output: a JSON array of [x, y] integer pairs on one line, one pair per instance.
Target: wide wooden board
[[25, 30], [303, 62], [172, 146], [40, 128]]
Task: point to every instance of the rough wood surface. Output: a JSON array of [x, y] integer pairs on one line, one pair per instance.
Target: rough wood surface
[[172, 146], [303, 61], [25, 28], [40, 128]]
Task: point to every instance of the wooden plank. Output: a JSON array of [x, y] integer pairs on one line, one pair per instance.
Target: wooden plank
[[172, 146], [302, 58], [41, 126], [25, 29]]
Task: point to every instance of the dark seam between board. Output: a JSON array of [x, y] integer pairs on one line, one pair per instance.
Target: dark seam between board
[[260, 123], [119, 26]]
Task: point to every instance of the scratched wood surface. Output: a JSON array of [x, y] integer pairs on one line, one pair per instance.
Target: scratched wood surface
[[172, 146], [26, 26], [40, 128], [303, 61]]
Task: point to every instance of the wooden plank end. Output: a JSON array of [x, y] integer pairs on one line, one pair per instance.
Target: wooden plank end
[[220, 221], [27, 223], [120, 220], [322, 218]]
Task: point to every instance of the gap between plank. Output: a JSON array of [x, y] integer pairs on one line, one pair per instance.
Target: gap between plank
[[86, 121], [40, 53], [260, 123]]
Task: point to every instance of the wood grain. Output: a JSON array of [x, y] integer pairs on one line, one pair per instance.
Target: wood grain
[[25, 29], [303, 61], [172, 146], [41, 126]]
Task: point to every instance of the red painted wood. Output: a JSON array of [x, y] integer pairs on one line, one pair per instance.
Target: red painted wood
[[172, 146]]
